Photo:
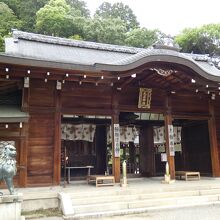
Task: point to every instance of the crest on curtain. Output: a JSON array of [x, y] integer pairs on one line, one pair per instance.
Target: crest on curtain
[[83, 132], [159, 138], [127, 134], [159, 135]]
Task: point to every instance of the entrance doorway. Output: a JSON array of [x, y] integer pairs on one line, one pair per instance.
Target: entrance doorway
[[192, 148], [196, 155], [144, 156], [84, 144]]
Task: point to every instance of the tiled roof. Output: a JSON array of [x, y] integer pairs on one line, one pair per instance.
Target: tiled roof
[[73, 43], [41, 47], [48, 51]]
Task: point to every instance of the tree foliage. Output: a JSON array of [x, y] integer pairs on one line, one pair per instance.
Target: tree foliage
[[53, 18], [80, 6], [8, 20], [26, 10], [57, 18], [202, 40], [113, 23], [142, 37], [118, 10], [108, 30]]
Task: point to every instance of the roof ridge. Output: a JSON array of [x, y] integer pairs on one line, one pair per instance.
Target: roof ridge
[[74, 43]]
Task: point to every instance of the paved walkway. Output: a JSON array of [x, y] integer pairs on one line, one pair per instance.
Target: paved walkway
[[151, 184], [194, 213]]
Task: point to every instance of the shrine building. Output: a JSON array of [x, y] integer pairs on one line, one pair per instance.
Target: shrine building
[[69, 103]]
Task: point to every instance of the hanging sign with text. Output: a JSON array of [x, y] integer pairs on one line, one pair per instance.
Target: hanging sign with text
[[171, 140], [117, 140], [144, 100]]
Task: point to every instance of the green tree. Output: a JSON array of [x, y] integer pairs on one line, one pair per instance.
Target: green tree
[[1, 44], [201, 40], [142, 37], [57, 18], [8, 21], [118, 10], [12, 4], [26, 10], [109, 30], [80, 6]]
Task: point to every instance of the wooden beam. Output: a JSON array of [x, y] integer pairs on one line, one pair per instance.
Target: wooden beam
[[213, 141], [126, 82], [88, 111], [25, 99], [21, 71], [191, 116]]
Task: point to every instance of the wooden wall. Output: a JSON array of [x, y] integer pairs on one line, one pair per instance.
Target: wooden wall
[[42, 107], [41, 133], [128, 100], [186, 105], [86, 99], [180, 104], [217, 123]]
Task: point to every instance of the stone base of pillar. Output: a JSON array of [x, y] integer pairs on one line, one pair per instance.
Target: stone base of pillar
[[10, 206], [124, 182], [167, 179]]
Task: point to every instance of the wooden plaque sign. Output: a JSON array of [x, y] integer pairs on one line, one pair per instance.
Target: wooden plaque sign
[[117, 140], [144, 98], [171, 140]]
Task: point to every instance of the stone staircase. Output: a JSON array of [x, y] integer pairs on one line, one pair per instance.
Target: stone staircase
[[107, 201]]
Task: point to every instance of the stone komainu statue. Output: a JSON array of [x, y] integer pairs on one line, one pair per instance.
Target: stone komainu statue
[[8, 166]]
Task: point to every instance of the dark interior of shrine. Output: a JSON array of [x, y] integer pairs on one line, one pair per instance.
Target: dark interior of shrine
[[143, 156]]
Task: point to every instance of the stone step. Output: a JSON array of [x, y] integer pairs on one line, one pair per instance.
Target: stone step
[[111, 191], [93, 199], [143, 203], [93, 215], [98, 201]]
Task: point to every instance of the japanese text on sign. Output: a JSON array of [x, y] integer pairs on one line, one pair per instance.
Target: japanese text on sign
[[117, 140], [171, 140]]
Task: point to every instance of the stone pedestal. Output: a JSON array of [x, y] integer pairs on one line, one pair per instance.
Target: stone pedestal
[[10, 207], [124, 182], [167, 179]]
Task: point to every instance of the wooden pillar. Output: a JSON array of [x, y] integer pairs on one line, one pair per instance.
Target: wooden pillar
[[168, 122], [23, 155], [213, 141], [24, 140], [25, 99], [115, 160], [115, 120], [57, 140]]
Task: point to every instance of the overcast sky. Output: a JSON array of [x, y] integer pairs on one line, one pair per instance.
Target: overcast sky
[[170, 16]]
